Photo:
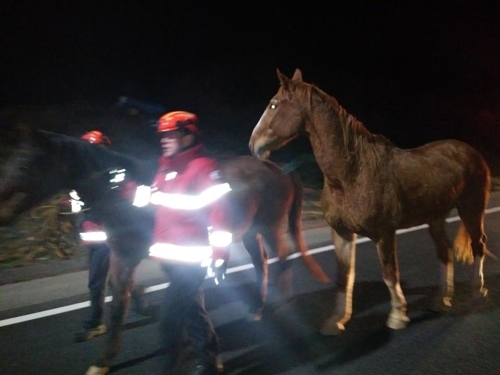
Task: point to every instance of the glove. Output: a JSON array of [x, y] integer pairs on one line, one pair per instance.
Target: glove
[[217, 270], [218, 266]]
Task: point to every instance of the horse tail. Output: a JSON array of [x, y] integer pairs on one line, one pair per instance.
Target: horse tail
[[295, 229], [472, 210], [462, 246]]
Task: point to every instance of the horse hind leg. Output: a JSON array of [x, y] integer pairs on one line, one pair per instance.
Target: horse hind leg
[[254, 244], [470, 243], [121, 280], [277, 241], [386, 248], [444, 249]]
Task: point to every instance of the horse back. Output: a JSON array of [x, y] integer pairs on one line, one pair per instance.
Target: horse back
[[261, 194], [432, 179], [439, 165], [408, 187]]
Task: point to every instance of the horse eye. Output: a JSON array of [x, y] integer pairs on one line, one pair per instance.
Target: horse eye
[[273, 106]]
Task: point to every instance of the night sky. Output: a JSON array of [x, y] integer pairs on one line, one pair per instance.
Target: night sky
[[412, 72]]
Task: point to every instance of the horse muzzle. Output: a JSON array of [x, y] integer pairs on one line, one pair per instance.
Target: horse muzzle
[[259, 151]]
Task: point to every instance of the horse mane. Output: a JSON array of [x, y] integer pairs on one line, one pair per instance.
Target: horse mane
[[358, 143], [88, 158]]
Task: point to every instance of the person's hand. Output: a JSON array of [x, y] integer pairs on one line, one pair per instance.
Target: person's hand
[[217, 270], [156, 197]]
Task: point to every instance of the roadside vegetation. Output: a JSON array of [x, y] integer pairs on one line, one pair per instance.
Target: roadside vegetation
[[49, 232]]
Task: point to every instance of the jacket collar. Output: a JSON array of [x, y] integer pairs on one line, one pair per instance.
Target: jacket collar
[[181, 160]]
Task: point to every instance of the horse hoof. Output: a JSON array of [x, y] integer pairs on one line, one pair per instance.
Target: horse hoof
[[94, 370], [255, 314], [397, 323], [441, 305], [481, 294], [331, 328]]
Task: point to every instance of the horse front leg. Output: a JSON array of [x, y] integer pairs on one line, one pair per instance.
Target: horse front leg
[[121, 281], [345, 256], [386, 248]]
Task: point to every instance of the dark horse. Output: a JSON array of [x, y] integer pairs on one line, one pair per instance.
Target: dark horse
[[372, 188], [36, 164]]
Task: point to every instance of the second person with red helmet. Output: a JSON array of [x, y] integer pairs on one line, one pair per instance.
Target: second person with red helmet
[[94, 239]]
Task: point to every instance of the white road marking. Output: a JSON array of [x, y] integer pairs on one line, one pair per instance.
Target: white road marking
[[244, 267]]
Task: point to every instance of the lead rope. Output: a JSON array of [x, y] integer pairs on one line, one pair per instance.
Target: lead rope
[[297, 162]]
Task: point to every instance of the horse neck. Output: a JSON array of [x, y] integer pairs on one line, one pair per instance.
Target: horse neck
[[81, 165], [97, 178], [340, 142]]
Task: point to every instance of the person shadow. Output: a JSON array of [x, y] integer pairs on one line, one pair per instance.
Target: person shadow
[[288, 337]]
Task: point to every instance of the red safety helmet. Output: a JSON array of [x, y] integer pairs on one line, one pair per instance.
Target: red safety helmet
[[97, 137], [178, 120]]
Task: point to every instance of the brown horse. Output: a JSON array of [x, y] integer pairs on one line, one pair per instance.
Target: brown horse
[[266, 202], [372, 188], [36, 164]]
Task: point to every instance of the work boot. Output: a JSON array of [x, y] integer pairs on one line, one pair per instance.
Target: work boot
[[138, 302], [206, 369], [90, 331], [215, 368]]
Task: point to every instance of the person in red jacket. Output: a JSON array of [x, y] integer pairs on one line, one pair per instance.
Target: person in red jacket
[[190, 238], [94, 238]]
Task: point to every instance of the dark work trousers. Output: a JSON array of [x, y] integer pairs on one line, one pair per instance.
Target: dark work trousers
[[98, 273], [184, 308]]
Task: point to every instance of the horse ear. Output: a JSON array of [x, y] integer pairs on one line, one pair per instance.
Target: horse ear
[[297, 76], [25, 132], [13, 131], [283, 79]]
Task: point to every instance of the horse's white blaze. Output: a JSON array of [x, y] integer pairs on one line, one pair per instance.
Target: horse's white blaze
[[259, 137], [259, 125]]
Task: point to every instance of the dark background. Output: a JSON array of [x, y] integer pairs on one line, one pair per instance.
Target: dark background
[[413, 71]]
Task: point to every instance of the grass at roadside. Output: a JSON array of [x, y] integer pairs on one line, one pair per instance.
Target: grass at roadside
[[43, 235]]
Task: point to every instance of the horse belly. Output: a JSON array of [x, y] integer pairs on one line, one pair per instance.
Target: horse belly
[[425, 210]]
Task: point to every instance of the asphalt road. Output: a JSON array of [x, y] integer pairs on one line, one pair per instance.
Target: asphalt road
[[38, 319]]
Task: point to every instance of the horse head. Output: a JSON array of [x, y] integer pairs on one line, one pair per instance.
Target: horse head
[[35, 165], [24, 172], [282, 120]]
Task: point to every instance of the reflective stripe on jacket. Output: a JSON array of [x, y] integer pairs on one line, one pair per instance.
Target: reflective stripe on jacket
[[188, 173]]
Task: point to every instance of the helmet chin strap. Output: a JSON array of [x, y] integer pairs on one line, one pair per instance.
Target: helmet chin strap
[[184, 148], [190, 144]]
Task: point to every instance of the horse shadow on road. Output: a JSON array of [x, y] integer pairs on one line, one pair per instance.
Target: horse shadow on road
[[288, 336]]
